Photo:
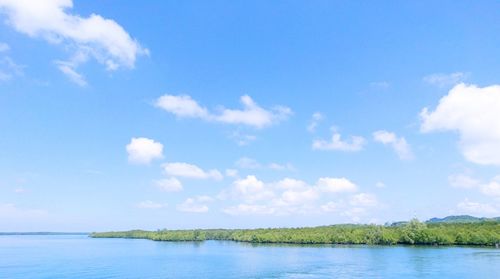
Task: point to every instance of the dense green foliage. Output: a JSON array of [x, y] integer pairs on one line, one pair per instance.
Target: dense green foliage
[[412, 233]]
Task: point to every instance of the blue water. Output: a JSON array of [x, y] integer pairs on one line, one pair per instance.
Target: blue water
[[77, 256]]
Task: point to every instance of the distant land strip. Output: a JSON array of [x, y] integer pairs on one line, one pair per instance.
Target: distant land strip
[[482, 232]]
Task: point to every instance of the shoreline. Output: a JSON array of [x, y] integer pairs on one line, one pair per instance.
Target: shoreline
[[413, 233]]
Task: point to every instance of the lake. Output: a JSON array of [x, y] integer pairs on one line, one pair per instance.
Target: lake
[[78, 256]]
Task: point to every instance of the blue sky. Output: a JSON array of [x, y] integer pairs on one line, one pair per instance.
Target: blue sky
[[184, 114]]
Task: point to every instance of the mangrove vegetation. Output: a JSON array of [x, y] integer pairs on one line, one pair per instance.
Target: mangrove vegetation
[[414, 232]]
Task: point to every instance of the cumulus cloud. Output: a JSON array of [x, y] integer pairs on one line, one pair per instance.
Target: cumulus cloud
[[190, 171], [336, 143], [144, 150], [290, 184], [444, 80], [93, 36], [492, 188], [336, 185], [471, 111], [182, 106], [471, 207], [170, 184], [315, 119], [195, 205], [292, 196], [151, 205], [250, 115], [399, 144], [251, 189], [299, 196]]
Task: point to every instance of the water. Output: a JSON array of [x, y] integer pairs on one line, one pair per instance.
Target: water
[[77, 256]]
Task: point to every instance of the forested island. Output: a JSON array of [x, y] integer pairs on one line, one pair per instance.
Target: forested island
[[484, 232]]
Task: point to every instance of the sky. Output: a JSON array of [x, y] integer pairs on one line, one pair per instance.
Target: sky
[[119, 115]]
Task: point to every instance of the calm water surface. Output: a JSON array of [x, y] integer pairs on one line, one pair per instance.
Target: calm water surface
[[77, 256]]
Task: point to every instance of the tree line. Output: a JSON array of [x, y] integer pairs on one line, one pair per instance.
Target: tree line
[[414, 232]]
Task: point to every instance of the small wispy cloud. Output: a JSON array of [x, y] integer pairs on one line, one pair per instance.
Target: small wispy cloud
[[315, 119], [336, 143], [252, 114], [399, 144], [381, 85], [445, 80]]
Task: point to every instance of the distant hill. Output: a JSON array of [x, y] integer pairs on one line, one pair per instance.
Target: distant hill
[[461, 219]]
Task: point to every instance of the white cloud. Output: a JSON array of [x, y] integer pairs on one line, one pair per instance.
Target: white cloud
[[247, 163], [477, 208], [444, 80], [68, 69], [251, 115], [399, 144], [252, 164], [231, 173], [463, 181], [291, 184], [251, 189], [190, 171], [170, 184], [150, 205], [93, 36], [364, 199], [182, 106], [195, 205], [315, 119], [472, 112], [336, 143], [380, 184], [492, 188], [336, 185], [9, 69], [299, 196], [4, 47], [276, 166], [292, 196], [144, 150], [241, 138]]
